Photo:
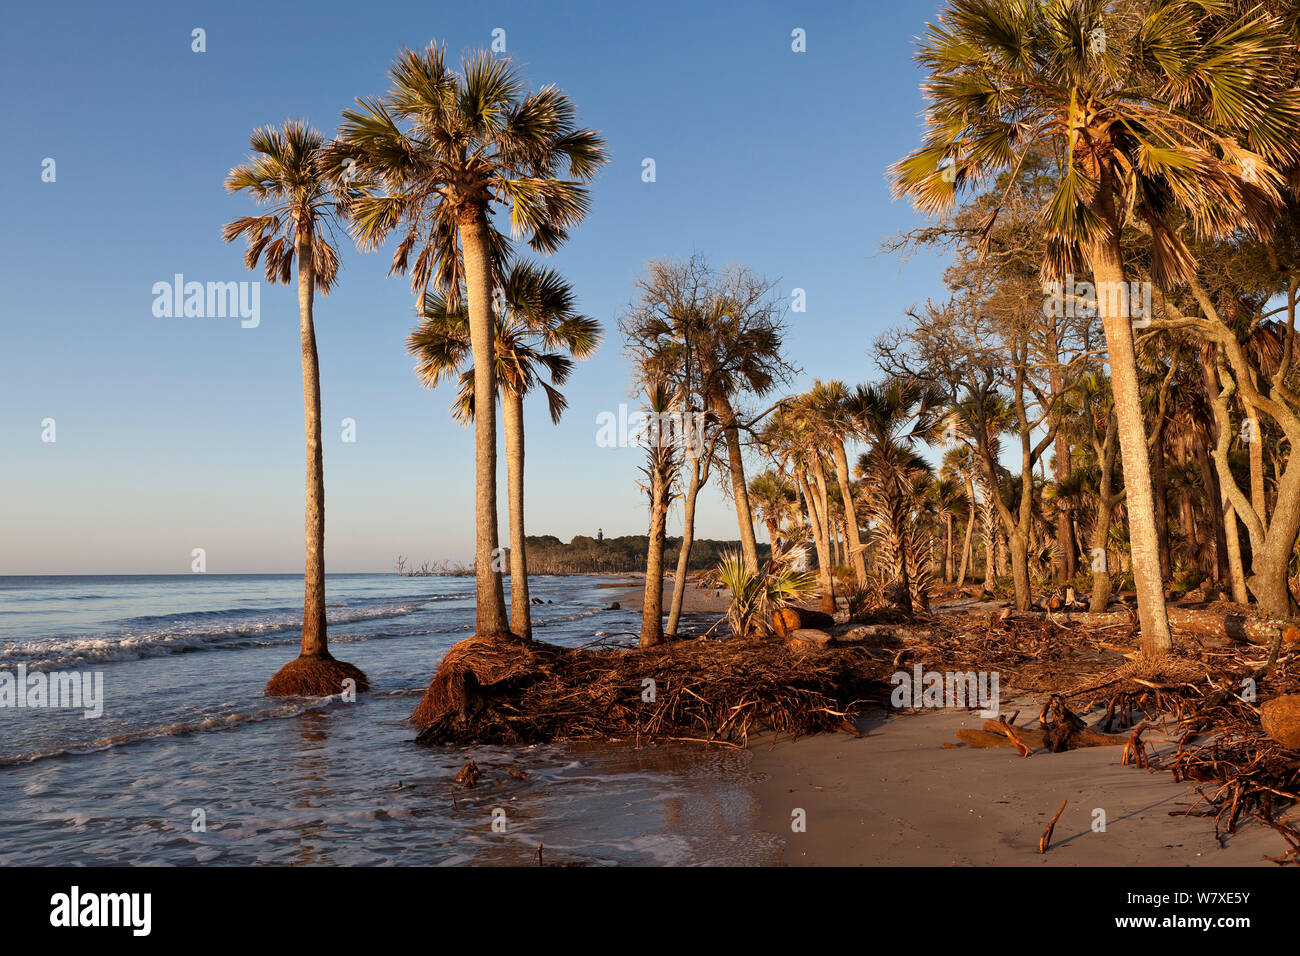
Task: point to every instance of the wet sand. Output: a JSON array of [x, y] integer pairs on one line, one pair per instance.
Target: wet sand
[[898, 798]]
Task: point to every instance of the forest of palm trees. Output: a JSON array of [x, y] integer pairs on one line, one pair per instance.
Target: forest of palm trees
[[1101, 400]]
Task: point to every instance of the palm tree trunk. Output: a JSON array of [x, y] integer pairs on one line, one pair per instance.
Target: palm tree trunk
[[1213, 495], [854, 542], [684, 553], [820, 543], [947, 548], [824, 513], [512, 421], [739, 490], [1106, 502], [490, 618], [966, 546], [314, 641], [989, 530], [1100, 572], [1236, 569], [1065, 564], [1160, 486], [652, 605], [1108, 273]]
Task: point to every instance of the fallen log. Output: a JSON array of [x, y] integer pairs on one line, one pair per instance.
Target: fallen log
[[1242, 628], [982, 739]]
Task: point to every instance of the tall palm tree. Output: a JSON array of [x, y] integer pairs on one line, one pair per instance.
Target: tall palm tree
[[435, 155], [891, 417], [1158, 111], [537, 331], [289, 173], [662, 468], [829, 401], [741, 355], [790, 439]]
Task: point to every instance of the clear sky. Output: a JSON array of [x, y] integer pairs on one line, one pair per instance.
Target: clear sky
[[178, 433]]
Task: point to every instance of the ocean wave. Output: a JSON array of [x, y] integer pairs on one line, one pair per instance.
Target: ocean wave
[[188, 633], [179, 729], [568, 618]]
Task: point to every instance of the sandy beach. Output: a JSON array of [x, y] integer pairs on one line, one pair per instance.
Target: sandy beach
[[629, 591], [896, 797]]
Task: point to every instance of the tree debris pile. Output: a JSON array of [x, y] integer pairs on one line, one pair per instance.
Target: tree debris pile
[[505, 691], [1241, 772], [1036, 656]]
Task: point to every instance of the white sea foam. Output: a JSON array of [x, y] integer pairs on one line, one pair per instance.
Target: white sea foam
[[202, 631], [177, 729]]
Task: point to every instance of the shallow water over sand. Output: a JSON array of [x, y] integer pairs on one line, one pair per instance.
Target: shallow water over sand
[[187, 736]]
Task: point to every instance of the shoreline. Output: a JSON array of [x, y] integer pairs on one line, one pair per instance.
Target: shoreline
[[695, 600], [897, 797]]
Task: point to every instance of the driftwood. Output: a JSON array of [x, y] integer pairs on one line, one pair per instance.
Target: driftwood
[[1209, 622], [1011, 734], [997, 733], [1045, 840]]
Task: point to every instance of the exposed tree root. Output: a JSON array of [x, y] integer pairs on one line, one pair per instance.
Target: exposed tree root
[[501, 690], [318, 675]]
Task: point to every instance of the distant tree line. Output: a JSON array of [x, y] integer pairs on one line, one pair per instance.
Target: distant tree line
[[547, 554]]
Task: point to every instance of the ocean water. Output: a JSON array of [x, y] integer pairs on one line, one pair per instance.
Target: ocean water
[[191, 764]]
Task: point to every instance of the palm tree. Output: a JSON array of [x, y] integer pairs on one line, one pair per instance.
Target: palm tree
[[434, 155], [742, 355], [890, 417], [537, 317], [663, 464], [792, 440], [946, 494], [829, 401], [1158, 111], [288, 172], [959, 463], [773, 495], [714, 335]]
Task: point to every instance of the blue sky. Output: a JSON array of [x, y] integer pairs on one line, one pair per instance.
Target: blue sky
[[178, 433]]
